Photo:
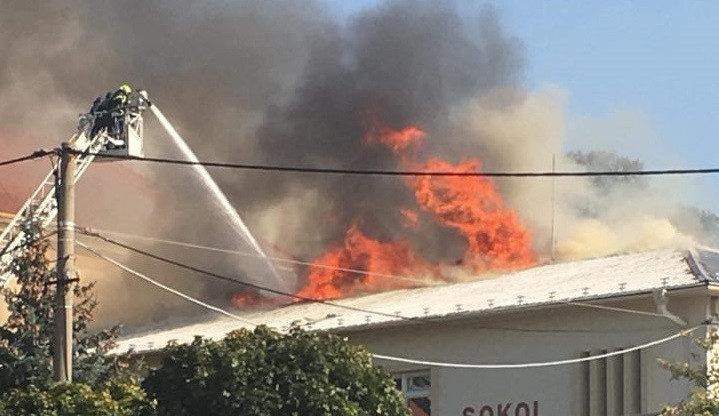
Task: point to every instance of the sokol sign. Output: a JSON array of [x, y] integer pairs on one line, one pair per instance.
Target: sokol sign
[[504, 409]]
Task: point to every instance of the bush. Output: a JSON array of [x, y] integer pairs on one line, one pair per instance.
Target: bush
[[116, 399], [263, 373]]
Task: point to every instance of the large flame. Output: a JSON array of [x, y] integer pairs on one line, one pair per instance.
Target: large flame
[[331, 275], [496, 238], [470, 205]]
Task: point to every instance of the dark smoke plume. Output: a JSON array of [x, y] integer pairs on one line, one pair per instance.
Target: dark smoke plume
[[287, 82], [403, 63], [214, 67], [280, 82]]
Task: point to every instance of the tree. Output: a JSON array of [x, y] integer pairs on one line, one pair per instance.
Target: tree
[[599, 160], [264, 373], [115, 399], [704, 400], [106, 385], [26, 338]]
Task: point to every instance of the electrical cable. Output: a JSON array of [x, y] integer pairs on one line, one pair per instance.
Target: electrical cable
[[533, 364], [614, 309], [423, 282], [320, 301], [380, 172], [34, 155], [246, 284], [27, 243], [304, 263], [404, 359], [162, 286]]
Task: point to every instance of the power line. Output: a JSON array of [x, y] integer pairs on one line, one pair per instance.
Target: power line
[[34, 155], [403, 359], [315, 300], [287, 294], [26, 244], [349, 270], [534, 364], [380, 172], [164, 287], [423, 282], [613, 309], [395, 358], [246, 284]]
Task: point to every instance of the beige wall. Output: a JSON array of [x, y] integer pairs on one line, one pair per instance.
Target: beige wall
[[558, 390]]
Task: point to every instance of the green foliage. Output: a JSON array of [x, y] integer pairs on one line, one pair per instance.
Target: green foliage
[[263, 373], [703, 401], [260, 373], [26, 338], [114, 399]]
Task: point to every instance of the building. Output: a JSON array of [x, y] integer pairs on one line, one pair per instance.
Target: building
[[543, 314]]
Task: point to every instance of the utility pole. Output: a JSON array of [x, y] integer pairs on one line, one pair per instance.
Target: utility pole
[[552, 242], [65, 190]]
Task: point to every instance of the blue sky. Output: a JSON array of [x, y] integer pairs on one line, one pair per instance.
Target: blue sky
[[632, 68]]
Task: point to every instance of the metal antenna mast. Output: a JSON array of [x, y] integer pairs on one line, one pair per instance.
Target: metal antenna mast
[[553, 204]]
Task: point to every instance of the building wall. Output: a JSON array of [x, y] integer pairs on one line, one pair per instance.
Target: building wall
[[602, 387]]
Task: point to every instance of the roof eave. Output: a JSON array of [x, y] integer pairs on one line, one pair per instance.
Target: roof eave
[[706, 287]]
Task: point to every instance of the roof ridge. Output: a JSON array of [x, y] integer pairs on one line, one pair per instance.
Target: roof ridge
[[692, 259], [697, 267]]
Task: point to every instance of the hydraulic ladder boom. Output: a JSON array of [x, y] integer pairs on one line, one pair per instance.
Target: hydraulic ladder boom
[[42, 204]]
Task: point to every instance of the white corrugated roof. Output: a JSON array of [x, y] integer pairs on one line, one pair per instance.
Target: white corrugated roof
[[547, 284]]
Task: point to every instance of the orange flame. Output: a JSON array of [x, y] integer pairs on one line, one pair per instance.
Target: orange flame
[[495, 236], [330, 276], [249, 299], [397, 140], [410, 218]]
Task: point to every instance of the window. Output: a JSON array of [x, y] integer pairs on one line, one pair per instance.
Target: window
[[416, 388], [612, 385]]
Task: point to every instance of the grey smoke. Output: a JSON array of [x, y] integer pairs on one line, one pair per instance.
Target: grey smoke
[[636, 193], [280, 82], [408, 63], [286, 82], [213, 67]]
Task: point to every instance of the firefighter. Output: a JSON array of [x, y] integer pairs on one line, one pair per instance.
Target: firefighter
[[96, 105], [101, 114], [115, 109], [120, 97], [108, 111]]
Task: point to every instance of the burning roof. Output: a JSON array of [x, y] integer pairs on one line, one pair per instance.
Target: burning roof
[[547, 285]]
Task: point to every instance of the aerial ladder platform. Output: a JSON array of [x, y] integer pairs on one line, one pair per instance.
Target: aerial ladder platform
[[122, 137]]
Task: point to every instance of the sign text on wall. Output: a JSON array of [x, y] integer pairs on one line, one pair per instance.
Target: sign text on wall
[[503, 409]]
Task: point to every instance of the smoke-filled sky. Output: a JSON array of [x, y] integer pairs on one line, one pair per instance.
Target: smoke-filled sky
[[640, 75], [303, 83]]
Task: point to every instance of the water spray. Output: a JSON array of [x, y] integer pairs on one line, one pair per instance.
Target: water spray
[[220, 198]]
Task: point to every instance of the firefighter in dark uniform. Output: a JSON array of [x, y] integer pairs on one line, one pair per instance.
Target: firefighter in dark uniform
[[116, 109], [120, 97], [108, 111]]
